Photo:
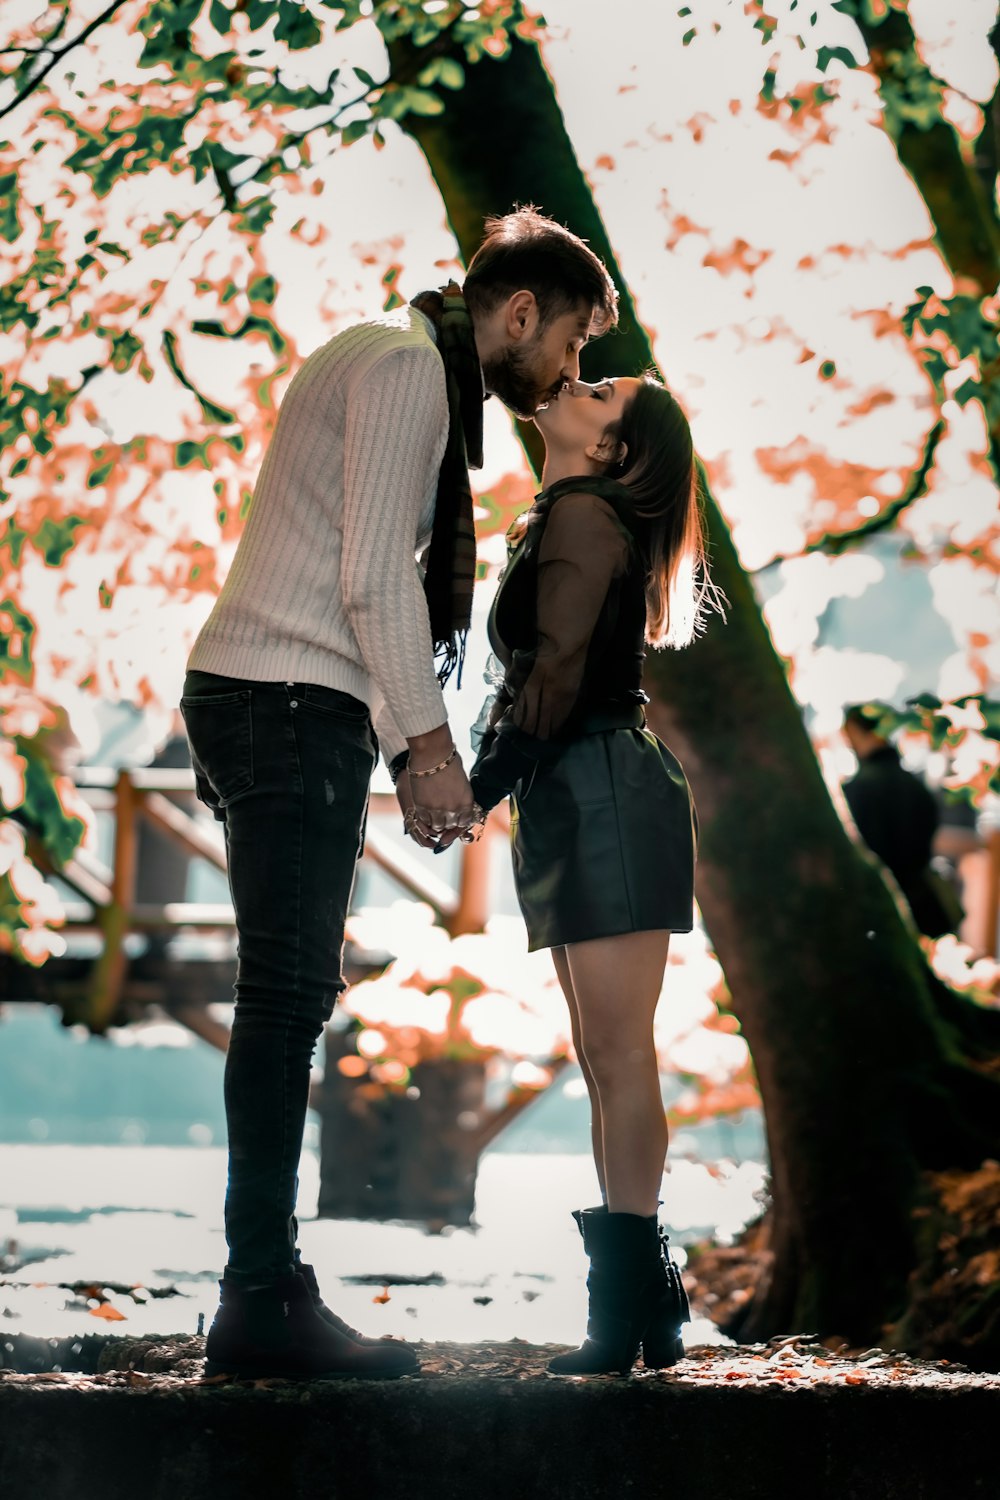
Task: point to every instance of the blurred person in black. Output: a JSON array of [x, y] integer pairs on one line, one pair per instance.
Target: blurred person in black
[[897, 815]]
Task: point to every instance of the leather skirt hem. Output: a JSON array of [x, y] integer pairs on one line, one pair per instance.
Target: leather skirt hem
[[603, 841]]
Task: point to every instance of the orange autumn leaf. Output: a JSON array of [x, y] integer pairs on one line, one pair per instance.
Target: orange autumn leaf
[[108, 1313]]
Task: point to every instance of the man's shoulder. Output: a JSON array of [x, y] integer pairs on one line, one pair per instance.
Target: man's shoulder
[[403, 328], [403, 333]]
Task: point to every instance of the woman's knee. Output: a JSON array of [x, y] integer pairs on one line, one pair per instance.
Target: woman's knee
[[612, 1055]]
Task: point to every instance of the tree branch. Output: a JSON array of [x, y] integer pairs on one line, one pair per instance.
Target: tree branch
[[53, 36], [965, 226], [57, 56], [407, 70], [835, 542]]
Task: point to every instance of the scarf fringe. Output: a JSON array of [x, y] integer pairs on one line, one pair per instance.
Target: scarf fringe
[[451, 654]]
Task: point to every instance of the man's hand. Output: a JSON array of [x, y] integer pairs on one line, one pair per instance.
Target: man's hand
[[429, 803], [411, 826]]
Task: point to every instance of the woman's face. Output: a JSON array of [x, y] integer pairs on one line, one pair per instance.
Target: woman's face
[[574, 421]]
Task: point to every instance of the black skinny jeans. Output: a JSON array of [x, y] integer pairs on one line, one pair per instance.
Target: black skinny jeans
[[285, 766]]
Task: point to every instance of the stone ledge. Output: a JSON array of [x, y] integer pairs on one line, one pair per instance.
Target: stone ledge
[[485, 1421]]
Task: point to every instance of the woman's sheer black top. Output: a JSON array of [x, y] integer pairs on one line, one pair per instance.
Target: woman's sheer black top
[[567, 625]]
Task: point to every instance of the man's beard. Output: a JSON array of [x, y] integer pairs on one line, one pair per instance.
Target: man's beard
[[512, 375]]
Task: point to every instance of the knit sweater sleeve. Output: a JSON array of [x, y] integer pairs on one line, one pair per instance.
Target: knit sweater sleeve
[[391, 740], [396, 427]]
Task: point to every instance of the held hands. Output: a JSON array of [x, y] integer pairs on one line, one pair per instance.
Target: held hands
[[438, 808]]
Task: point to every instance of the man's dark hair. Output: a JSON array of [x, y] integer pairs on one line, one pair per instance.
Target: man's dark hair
[[873, 716], [526, 251]]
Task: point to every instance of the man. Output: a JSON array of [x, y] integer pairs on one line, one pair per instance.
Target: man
[[896, 815], [324, 634]]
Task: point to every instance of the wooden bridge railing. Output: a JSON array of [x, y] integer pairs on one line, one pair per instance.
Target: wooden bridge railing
[[109, 904]]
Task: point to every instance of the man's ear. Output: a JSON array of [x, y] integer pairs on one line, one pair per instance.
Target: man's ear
[[520, 316], [607, 451]]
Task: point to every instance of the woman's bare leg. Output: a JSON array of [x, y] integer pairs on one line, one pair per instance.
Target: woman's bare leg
[[616, 983], [561, 963]]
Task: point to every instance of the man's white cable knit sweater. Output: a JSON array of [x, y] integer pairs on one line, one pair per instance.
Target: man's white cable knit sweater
[[325, 587]]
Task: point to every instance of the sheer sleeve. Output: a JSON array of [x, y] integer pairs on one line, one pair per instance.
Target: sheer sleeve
[[583, 549]]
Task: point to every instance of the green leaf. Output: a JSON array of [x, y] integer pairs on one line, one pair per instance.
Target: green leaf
[[990, 710], [10, 224], [221, 17], [296, 27], [60, 832], [354, 131], [259, 12], [187, 453], [969, 390], [54, 539], [420, 102], [826, 55], [688, 37], [262, 289], [451, 74], [124, 349], [254, 217], [99, 475], [445, 71], [16, 634]]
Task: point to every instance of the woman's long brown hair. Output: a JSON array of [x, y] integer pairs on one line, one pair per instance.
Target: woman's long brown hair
[[661, 475]]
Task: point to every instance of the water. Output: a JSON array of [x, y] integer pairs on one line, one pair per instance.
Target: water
[[149, 1217], [112, 1172]]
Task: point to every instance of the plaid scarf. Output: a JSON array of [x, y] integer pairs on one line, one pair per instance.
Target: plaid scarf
[[451, 560]]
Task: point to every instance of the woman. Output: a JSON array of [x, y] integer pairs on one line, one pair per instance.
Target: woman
[[603, 826]]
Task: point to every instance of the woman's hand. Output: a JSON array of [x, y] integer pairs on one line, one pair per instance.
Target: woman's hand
[[441, 815]]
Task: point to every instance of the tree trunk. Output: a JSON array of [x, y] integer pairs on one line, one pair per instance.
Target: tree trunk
[[864, 1083]]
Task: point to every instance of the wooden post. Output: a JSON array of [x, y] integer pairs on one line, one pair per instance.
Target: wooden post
[[989, 938], [109, 971], [473, 888]]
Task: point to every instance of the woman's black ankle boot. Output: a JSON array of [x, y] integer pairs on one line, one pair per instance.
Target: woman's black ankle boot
[[275, 1330], [662, 1344], [626, 1286]]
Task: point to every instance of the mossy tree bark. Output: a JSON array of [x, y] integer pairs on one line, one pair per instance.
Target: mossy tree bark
[[866, 1079], [960, 194]]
